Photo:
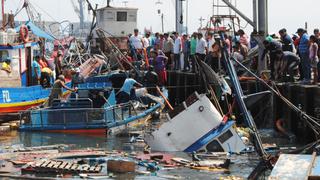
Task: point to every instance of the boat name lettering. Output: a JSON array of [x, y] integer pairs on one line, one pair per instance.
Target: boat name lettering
[[6, 96]]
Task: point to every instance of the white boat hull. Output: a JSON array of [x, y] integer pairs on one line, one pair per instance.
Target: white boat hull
[[194, 129]]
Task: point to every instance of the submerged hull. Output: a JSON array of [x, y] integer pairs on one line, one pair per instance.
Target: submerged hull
[[197, 127]]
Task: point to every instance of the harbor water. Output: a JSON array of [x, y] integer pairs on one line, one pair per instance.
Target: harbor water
[[241, 166]]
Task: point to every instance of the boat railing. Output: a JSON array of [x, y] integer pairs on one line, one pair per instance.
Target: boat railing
[[47, 118]]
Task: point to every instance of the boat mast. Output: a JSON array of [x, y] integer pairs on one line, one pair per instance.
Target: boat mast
[[2, 8]]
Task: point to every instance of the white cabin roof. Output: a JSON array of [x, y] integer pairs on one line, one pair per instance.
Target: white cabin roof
[[117, 8]]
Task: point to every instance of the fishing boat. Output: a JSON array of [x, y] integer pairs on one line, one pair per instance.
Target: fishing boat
[[93, 110], [17, 91], [196, 125]]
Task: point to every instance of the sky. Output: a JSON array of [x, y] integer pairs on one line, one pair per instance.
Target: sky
[[289, 14]]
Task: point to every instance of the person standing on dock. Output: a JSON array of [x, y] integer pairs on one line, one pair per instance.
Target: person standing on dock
[[186, 52], [313, 55], [177, 51], [193, 47], [168, 49], [201, 49], [159, 61], [137, 44], [303, 48], [317, 35], [287, 42]]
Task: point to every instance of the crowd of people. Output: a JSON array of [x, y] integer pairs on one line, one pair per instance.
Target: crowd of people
[[285, 56]]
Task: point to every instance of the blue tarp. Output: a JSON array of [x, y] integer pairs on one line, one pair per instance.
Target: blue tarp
[[36, 30]]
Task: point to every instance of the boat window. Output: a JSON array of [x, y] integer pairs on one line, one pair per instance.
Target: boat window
[[191, 99], [214, 146], [3, 55], [225, 136], [101, 15], [110, 16], [121, 16], [132, 17]]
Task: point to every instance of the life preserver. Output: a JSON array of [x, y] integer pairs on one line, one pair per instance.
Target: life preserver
[[24, 33]]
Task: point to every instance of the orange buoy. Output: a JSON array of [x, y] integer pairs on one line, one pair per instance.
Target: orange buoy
[[24, 33]]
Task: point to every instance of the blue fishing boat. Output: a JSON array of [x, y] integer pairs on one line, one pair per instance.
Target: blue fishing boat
[[16, 89], [92, 110]]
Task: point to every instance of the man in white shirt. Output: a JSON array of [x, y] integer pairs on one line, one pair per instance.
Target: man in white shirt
[[201, 49], [177, 51], [211, 41], [136, 40]]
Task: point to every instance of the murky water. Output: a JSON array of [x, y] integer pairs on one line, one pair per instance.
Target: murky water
[[241, 165]]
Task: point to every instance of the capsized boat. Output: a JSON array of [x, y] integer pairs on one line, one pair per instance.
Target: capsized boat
[[196, 125], [92, 110]]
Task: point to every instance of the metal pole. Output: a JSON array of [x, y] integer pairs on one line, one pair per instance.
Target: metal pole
[[262, 16], [81, 14], [238, 12], [179, 16], [162, 24], [187, 13], [255, 22]]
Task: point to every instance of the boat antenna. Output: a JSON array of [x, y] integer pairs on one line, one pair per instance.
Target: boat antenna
[[108, 3]]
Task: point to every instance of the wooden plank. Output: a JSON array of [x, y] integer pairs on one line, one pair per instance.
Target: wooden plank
[[62, 165], [52, 163], [40, 163], [74, 167], [121, 166], [68, 166], [57, 164], [45, 163]]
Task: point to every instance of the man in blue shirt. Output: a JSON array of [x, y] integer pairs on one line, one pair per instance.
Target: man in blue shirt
[[303, 48], [127, 90], [286, 40], [36, 71]]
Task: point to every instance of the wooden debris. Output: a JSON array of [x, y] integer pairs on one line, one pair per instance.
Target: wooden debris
[[121, 166], [54, 166]]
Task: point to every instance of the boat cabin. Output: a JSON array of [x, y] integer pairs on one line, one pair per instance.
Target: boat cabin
[[118, 21], [20, 56]]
